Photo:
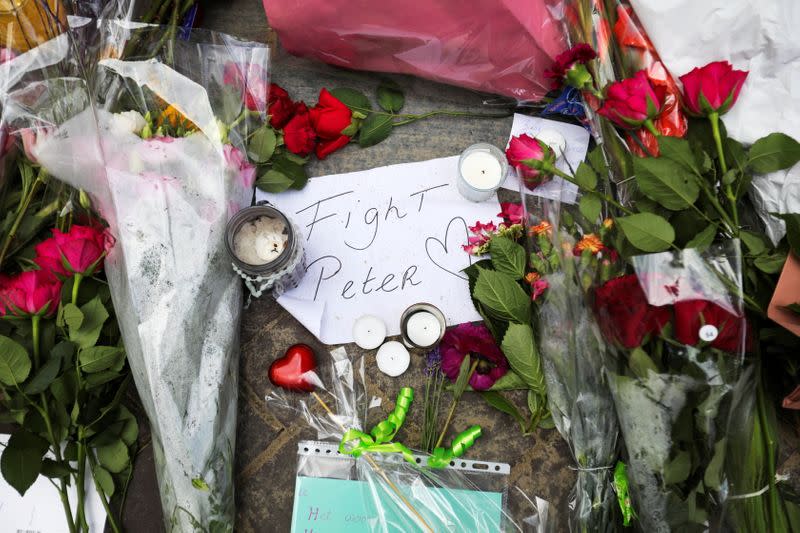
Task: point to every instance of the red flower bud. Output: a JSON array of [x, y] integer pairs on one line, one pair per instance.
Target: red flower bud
[[330, 116], [631, 102], [80, 251], [526, 148], [36, 292], [281, 108], [713, 88], [624, 314], [298, 134], [566, 61]]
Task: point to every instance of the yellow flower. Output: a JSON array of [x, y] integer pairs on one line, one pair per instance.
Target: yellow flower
[[608, 223], [589, 242], [544, 227], [175, 118]]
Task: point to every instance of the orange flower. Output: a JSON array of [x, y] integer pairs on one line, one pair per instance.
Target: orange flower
[[608, 223], [175, 118], [589, 242], [543, 227], [532, 277]]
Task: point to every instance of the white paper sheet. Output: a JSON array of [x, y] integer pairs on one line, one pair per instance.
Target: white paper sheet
[[577, 145], [378, 241], [40, 510]]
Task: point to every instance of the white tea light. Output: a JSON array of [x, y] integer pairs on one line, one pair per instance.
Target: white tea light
[[554, 140], [423, 329], [369, 332], [393, 359], [482, 169]]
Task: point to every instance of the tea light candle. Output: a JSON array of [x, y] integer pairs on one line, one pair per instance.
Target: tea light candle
[[482, 169], [393, 359], [423, 329], [260, 241], [369, 332]]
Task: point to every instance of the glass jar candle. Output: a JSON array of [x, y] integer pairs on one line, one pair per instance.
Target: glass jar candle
[[422, 326], [482, 169], [266, 249]]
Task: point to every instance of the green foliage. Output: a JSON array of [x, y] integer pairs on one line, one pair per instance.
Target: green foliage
[[666, 182], [15, 365], [519, 346], [647, 232], [502, 297], [353, 98], [21, 461], [262, 144], [508, 257], [501, 403], [776, 151], [374, 129], [390, 98]]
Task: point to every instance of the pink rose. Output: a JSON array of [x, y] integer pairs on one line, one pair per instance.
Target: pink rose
[[632, 102], [526, 148], [238, 161], [79, 251], [511, 213], [36, 292], [713, 88]]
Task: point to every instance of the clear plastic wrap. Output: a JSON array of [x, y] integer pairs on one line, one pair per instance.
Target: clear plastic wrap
[[677, 326], [396, 489], [149, 140], [496, 46], [574, 355]]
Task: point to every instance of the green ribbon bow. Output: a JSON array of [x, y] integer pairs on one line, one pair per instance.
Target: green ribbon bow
[[441, 457], [355, 442], [623, 497]]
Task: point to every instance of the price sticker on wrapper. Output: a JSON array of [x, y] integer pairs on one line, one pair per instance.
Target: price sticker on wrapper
[[708, 333]]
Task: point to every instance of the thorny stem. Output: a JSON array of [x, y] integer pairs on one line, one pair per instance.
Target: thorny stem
[[453, 406], [605, 197], [714, 119], [12, 233], [76, 284], [111, 520]]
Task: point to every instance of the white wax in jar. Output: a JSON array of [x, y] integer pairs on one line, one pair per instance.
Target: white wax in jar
[[260, 241], [423, 329], [481, 170], [369, 332], [393, 359]]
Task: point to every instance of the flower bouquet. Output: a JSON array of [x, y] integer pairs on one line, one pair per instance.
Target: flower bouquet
[[160, 147]]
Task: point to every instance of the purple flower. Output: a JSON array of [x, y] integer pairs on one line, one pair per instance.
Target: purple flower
[[476, 342]]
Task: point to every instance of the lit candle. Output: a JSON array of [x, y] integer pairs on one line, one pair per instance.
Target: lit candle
[[482, 169], [423, 329], [393, 359], [369, 332]]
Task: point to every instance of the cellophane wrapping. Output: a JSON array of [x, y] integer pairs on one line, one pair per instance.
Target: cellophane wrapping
[[495, 46], [574, 355], [143, 128], [388, 473], [676, 324]]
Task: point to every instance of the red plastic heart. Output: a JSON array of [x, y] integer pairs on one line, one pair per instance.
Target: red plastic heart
[[291, 371]]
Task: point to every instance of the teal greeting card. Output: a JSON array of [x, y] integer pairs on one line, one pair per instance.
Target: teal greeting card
[[323, 505]]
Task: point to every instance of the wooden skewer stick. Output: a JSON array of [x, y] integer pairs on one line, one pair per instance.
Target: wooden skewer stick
[[377, 468]]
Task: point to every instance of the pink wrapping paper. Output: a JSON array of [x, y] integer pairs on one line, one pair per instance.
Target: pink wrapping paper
[[496, 46]]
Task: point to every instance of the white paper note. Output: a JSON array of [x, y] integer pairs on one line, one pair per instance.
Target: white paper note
[[40, 510], [378, 241], [577, 145]]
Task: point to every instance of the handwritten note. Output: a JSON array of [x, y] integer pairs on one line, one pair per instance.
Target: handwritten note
[[577, 145], [323, 505], [378, 241]]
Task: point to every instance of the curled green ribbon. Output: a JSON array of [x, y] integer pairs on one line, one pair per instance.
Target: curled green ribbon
[[441, 457], [356, 442], [624, 499]]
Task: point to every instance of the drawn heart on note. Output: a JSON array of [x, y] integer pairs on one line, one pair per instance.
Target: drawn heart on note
[[294, 371], [448, 254]]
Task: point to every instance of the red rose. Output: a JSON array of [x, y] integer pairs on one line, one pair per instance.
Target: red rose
[[253, 84], [330, 116], [632, 102], [712, 89], [36, 292], [571, 59], [48, 257], [691, 315], [525, 148], [327, 147], [80, 251], [624, 314], [281, 107], [298, 135]]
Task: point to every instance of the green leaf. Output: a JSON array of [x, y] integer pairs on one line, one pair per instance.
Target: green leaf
[[390, 98], [21, 462], [677, 471], [640, 363], [774, 152], [499, 402], [590, 207], [104, 479], [94, 316], [262, 144], [374, 129], [352, 98], [114, 457], [585, 177], [200, 484], [44, 377], [792, 229], [64, 388], [294, 158], [15, 365], [73, 317], [54, 469], [753, 241], [770, 264], [130, 431], [292, 170], [666, 182], [597, 160], [713, 474], [502, 296], [519, 347], [98, 379], [508, 257], [735, 155], [704, 239], [510, 381], [274, 181], [679, 151], [99, 358], [647, 232], [463, 377]]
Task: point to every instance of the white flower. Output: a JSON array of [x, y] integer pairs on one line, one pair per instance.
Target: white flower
[[128, 122]]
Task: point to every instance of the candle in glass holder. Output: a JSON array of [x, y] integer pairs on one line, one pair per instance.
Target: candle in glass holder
[[482, 169], [422, 326], [260, 241]]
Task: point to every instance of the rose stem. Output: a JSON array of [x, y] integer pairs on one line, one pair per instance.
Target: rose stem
[[378, 469], [454, 404]]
